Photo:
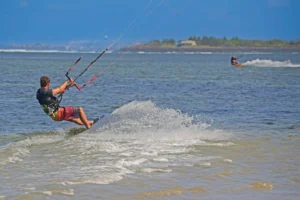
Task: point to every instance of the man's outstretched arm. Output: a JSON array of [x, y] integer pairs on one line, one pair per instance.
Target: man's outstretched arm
[[63, 87]]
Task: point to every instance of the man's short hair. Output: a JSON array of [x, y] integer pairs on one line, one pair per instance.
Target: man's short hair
[[44, 81]]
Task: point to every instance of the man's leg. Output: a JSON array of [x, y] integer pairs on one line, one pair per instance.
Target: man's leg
[[79, 122], [83, 118], [77, 115]]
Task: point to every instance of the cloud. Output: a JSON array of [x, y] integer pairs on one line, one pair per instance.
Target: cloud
[[278, 3], [24, 4]]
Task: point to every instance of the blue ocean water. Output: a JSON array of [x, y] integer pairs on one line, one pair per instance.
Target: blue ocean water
[[182, 125]]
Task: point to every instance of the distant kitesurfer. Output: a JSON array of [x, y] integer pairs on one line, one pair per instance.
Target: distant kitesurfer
[[50, 104], [234, 60]]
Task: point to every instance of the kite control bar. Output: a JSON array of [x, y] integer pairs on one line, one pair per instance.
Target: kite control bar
[[70, 68]]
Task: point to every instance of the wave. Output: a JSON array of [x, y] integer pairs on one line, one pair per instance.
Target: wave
[[169, 52], [138, 137], [256, 52], [137, 118], [35, 51], [47, 51], [270, 63]]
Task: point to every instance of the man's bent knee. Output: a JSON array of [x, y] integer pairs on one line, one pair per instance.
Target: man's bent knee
[[81, 110]]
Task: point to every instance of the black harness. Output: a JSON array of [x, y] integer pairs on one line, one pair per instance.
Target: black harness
[[50, 104]]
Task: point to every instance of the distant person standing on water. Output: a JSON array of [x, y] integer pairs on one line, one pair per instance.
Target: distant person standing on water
[[50, 104], [234, 60]]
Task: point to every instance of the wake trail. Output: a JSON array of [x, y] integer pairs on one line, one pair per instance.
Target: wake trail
[[270, 63]]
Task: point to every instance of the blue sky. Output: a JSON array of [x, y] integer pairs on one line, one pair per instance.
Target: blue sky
[[60, 21]]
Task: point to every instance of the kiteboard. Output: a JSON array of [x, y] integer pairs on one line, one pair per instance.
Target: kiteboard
[[239, 65], [75, 131], [102, 120]]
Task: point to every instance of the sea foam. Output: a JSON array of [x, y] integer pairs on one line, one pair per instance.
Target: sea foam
[[270, 63]]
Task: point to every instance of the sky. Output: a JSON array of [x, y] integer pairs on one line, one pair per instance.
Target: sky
[[61, 21]]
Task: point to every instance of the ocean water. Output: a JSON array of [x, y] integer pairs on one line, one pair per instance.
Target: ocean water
[[181, 126]]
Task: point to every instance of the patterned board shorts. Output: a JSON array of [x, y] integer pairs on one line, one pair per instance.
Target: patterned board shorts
[[66, 113]]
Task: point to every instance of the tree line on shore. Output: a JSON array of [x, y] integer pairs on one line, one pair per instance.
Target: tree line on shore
[[224, 42]]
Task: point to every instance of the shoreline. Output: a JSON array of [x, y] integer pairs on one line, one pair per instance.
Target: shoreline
[[211, 49]]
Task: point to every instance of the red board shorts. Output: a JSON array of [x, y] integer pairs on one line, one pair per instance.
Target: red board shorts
[[66, 113]]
